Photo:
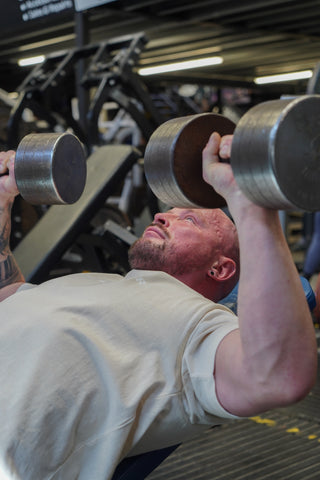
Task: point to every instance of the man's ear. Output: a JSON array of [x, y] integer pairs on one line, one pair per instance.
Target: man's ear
[[223, 269]]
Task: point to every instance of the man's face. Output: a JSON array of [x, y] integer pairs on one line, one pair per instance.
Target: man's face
[[180, 241]]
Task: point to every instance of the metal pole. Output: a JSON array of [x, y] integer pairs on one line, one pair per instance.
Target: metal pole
[[82, 39]]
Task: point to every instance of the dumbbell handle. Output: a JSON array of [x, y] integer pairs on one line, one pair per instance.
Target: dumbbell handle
[[50, 168]]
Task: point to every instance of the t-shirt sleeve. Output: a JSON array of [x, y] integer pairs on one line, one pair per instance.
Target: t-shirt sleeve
[[26, 286], [201, 402]]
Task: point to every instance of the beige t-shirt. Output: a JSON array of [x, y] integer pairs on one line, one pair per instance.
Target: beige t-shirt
[[95, 367]]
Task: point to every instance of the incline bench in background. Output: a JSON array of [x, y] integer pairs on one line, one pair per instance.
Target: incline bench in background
[[55, 232]]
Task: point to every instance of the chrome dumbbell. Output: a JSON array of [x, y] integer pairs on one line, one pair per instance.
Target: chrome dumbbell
[[50, 168]]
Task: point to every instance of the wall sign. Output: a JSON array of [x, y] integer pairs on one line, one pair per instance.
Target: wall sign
[[21, 15], [33, 9]]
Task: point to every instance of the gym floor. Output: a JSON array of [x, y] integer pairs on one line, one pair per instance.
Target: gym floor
[[283, 444]]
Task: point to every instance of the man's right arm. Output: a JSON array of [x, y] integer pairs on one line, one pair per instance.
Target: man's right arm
[[11, 277]]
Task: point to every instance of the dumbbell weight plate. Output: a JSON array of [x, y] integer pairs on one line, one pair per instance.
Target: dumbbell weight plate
[[275, 153], [50, 168], [173, 160]]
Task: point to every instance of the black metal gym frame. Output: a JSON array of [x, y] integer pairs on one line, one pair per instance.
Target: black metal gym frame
[[82, 39], [111, 71], [50, 76], [37, 92]]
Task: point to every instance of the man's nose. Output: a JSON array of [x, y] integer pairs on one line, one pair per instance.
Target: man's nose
[[162, 218]]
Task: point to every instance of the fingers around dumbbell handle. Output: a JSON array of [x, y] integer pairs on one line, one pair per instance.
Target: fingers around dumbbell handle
[[50, 168]]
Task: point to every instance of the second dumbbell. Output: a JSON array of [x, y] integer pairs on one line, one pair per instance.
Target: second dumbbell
[[275, 156], [50, 168]]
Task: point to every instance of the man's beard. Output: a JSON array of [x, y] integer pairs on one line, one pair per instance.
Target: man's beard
[[145, 254]]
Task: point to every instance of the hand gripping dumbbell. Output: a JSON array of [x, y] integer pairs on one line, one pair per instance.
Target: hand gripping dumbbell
[[275, 156], [50, 168]]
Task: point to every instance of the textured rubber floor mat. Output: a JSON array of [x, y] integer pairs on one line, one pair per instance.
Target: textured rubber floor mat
[[283, 444]]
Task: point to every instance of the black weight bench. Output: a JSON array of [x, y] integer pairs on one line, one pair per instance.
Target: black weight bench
[[54, 233], [140, 466]]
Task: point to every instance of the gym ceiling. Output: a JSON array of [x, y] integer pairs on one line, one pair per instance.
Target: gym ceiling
[[254, 37]]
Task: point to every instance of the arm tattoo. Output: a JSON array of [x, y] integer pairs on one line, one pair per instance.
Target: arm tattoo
[[5, 230], [9, 271], [4, 239]]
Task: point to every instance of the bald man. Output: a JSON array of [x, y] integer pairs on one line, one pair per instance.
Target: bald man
[[96, 367]]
